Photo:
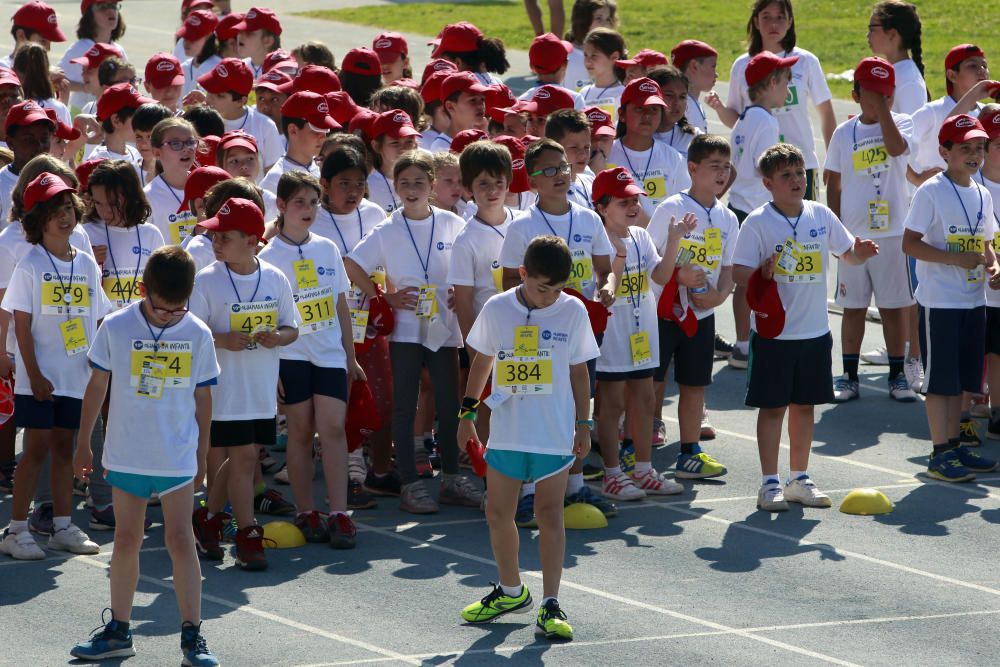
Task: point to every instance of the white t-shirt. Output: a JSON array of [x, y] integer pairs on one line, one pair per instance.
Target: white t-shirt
[[475, 259], [660, 171], [634, 292], [427, 137], [992, 295], [911, 89], [130, 155], [755, 132], [608, 99], [678, 139], [577, 75], [286, 164], [192, 71], [582, 230], [868, 174], [74, 71], [165, 200], [382, 191], [200, 249], [13, 248], [346, 231], [146, 435], [36, 288], [580, 190], [696, 114], [8, 179], [542, 423], [718, 216], [319, 340], [440, 144], [247, 387], [128, 251], [819, 233], [808, 84], [927, 122], [577, 99], [62, 111], [404, 247], [270, 144], [937, 212]]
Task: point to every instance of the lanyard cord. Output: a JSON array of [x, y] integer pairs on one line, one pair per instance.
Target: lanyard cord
[[551, 229], [795, 231], [634, 296], [979, 218], [632, 169], [708, 211], [67, 296], [233, 282], [425, 265], [111, 254], [298, 246]]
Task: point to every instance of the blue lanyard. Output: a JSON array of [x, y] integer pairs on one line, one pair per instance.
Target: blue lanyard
[[586, 194], [67, 296], [701, 111], [634, 297], [979, 218], [111, 254], [170, 189], [708, 211], [304, 167], [569, 237], [298, 246], [425, 265], [645, 172], [156, 337], [795, 231], [361, 231], [233, 282], [388, 186], [486, 224]]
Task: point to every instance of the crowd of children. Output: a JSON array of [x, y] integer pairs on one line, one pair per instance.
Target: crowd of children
[[218, 269]]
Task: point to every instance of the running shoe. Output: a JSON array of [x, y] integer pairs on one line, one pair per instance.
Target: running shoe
[[653, 483], [845, 389], [108, 641], [265, 460], [208, 533], [357, 497], [313, 526], [771, 498], [21, 546], [980, 406], [356, 467], [74, 540], [495, 604], [423, 460], [739, 359], [525, 515], [899, 389], [659, 431], [196, 653], [383, 485], [250, 548], [707, 430], [341, 530], [416, 499], [592, 472], [105, 519], [626, 457], [968, 435], [913, 368], [40, 519], [621, 487], [947, 467], [585, 495], [459, 490], [273, 503], [803, 490], [281, 477], [877, 357], [723, 348], [464, 462], [973, 461], [552, 623], [698, 466]]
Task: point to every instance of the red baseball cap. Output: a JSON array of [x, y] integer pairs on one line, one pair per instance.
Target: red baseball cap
[[430, 91], [464, 138], [238, 214], [362, 61], [617, 183], [362, 124], [199, 182], [41, 18], [277, 57], [226, 28], [363, 417], [342, 106], [231, 74], [9, 78], [671, 307], [688, 50], [547, 99], [876, 75], [395, 124], [600, 122], [519, 181], [315, 79], [26, 113], [207, 146], [962, 52], [961, 128], [275, 80], [63, 131], [96, 55], [765, 302], [237, 139], [259, 19], [406, 82], [188, 5], [199, 23], [644, 92], [461, 82], [460, 37], [87, 4], [645, 58], [44, 187], [85, 169], [764, 63], [596, 311], [437, 65], [117, 97], [164, 70], [389, 46], [500, 101], [311, 107], [548, 53], [991, 123]]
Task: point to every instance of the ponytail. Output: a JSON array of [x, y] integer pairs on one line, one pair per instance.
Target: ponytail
[[490, 56], [903, 18]]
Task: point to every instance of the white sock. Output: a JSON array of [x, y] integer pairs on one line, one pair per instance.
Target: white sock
[[643, 467], [60, 522], [795, 474], [574, 483], [527, 489], [612, 472], [18, 527], [743, 346], [512, 591], [771, 479]]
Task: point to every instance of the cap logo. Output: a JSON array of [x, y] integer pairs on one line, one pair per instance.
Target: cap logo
[[648, 88], [322, 108], [401, 118], [273, 75], [597, 116], [252, 14], [383, 44], [47, 180], [93, 51], [222, 71], [880, 72], [224, 210], [542, 94], [996, 119], [29, 106], [623, 176], [165, 66], [441, 65], [194, 20], [965, 122], [51, 19], [517, 164]]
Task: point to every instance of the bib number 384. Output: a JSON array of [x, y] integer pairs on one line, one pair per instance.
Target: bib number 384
[[524, 375]]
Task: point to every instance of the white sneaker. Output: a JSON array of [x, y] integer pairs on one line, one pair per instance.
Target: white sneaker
[[914, 371], [845, 389], [653, 483], [877, 357], [980, 407], [621, 487], [21, 546], [73, 540], [771, 498], [281, 477], [899, 389], [803, 490]]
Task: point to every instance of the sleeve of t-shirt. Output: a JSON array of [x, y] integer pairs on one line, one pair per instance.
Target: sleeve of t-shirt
[[481, 335], [272, 149], [749, 246], [765, 135], [922, 120], [20, 294], [819, 91], [649, 254], [462, 269], [73, 71], [368, 253], [990, 221], [7, 264], [155, 239], [910, 96], [905, 126], [198, 304], [732, 236], [584, 345], [841, 240], [81, 240], [921, 213], [99, 353], [208, 364], [343, 284], [835, 152], [514, 245], [104, 305], [736, 84], [287, 315], [602, 244]]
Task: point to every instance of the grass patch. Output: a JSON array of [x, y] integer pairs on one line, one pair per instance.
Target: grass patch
[[832, 29]]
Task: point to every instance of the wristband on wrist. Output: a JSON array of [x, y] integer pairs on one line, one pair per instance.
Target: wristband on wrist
[[588, 423]]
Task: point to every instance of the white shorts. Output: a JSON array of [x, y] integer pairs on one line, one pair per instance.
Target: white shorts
[[885, 274]]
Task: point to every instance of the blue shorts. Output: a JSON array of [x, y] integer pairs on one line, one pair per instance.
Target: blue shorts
[[527, 466], [143, 486], [60, 412]]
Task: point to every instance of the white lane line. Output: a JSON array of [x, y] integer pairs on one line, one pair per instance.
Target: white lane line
[[620, 599], [266, 615], [451, 655]]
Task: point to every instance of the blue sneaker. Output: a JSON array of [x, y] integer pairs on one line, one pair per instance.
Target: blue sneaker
[[626, 458], [973, 461], [108, 641], [196, 653], [525, 515], [585, 495], [947, 467]]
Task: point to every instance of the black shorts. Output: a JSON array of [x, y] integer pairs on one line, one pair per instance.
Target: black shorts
[[953, 341], [60, 412], [302, 380], [693, 357], [592, 367], [463, 358], [603, 376], [992, 330], [783, 372], [811, 175], [241, 432]]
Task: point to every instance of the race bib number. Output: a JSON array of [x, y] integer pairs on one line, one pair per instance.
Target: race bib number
[[693, 252], [525, 376], [870, 157], [996, 241], [633, 284], [791, 101], [253, 317], [655, 186], [305, 274], [641, 352], [60, 297], [582, 270], [74, 336], [968, 243], [608, 105], [355, 294], [799, 263], [359, 325], [122, 288], [427, 306], [315, 308], [157, 366], [878, 215], [182, 227]]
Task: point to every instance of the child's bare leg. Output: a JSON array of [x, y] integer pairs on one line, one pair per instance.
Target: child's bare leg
[[551, 532]]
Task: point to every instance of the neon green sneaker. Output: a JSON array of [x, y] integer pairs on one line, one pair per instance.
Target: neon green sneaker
[[552, 622], [699, 465], [497, 604]]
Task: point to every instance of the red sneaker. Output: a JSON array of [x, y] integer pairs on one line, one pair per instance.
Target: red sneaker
[[208, 533], [250, 548], [342, 531]]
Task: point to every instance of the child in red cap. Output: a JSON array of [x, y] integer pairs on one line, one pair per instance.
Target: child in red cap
[[259, 33], [305, 120], [200, 46], [697, 61], [164, 79], [36, 22], [463, 100], [115, 109], [393, 54], [548, 57], [392, 135]]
